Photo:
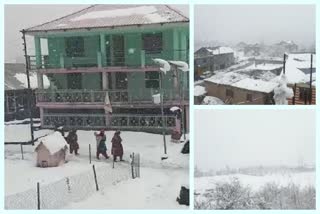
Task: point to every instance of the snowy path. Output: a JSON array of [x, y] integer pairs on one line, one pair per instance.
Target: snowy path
[[154, 190]]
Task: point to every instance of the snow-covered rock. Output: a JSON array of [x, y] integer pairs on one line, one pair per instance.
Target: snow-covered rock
[[199, 90]]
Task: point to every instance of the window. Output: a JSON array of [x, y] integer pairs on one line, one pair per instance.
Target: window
[[152, 43], [74, 46], [249, 97], [152, 79], [229, 93], [121, 81]]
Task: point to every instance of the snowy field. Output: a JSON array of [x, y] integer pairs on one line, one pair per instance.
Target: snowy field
[[285, 190], [157, 188], [303, 179]]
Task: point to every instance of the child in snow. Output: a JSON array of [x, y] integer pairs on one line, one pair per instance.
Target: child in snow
[[72, 140], [117, 149], [101, 144]]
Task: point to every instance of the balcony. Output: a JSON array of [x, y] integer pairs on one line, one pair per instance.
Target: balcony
[[96, 98], [139, 60], [115, 121]]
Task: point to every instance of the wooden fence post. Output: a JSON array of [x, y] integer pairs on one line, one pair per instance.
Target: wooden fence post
[[21, 148], [95, 177], [38, 195], [132, 168], [90, 153]]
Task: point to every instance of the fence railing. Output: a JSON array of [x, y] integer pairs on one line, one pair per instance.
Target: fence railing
[[70, 189], [115, 96], [115, 121], [130, 58]]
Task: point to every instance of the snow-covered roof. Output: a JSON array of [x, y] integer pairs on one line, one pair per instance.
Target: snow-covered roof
[[16, 78], [209, 100], [54, 142], [220, 50], [255, 85], [265, 66], [107, 15], [199, 90], [298, 68], [243, 81]]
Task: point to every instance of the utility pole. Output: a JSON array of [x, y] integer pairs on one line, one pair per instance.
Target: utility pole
[[162, 113], [284, 63], [30, 97], [310, 94]]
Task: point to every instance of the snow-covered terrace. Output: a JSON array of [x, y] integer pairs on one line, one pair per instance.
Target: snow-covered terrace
[[298, 68]]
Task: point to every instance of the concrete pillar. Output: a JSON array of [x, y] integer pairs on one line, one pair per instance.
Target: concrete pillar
[[176, 44], [41, 116], [103, 49], [37, 45], [104, 80], [40, 80]]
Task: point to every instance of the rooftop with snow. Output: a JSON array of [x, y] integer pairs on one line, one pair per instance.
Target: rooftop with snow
[[109, 16]]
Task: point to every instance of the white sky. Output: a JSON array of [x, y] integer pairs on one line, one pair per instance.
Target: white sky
[[18, 17], [240, 138], [255, 23]]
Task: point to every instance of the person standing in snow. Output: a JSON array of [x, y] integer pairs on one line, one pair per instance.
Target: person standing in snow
[[72, 140], [101, 144], [117, 149]]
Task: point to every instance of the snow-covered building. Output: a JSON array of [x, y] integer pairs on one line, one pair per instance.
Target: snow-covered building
[[17, 95], [99, 62], [212, 58], [301, 77], [244, 86]]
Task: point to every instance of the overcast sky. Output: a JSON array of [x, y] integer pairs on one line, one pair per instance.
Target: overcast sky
[[255, 23], [240, 138], [18, 17]]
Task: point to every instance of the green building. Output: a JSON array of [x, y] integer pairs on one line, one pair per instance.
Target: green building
[[100, 58]]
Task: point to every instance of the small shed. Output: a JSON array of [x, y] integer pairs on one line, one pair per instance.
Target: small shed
[[51, 150]]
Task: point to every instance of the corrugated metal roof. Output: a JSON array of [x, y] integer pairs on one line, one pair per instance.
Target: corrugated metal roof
[[101, 16]]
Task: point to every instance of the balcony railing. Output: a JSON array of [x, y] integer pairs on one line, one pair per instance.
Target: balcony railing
[[129, 58], [115, 121], [115, 96]]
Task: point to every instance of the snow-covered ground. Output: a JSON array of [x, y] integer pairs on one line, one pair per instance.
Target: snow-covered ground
[[302, 179], [157, 188]]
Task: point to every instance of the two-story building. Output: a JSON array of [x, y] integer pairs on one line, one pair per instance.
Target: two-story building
[[100, 67]]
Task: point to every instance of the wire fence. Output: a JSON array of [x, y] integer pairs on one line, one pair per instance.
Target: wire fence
[[69, 189]]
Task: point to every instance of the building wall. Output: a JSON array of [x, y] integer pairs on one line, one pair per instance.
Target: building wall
[[239, 95], [175, 47]]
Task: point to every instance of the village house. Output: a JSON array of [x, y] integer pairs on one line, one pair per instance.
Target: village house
[[252, 84], [100, 67], [212, 58]]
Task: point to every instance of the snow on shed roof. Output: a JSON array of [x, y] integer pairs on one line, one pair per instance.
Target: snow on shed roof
[[54, 142], [296, 65], [100, 16]]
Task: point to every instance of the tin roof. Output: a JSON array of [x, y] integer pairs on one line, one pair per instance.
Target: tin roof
[[105, 16]]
